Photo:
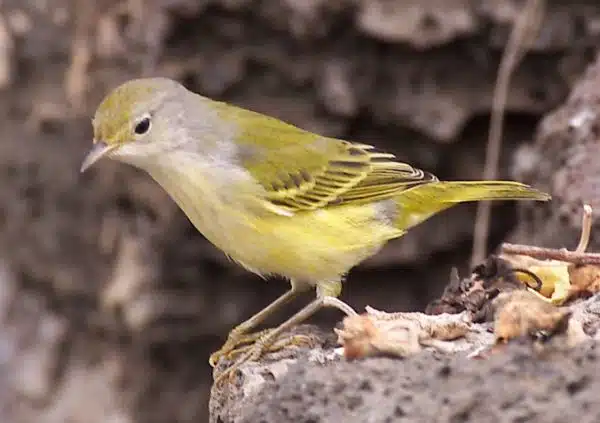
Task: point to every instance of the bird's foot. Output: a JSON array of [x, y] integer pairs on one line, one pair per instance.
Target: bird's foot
[[252, 347], [235, 345]]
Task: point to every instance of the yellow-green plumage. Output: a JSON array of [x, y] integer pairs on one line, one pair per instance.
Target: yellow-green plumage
[[304, 171], [273, 197], [321, 245]]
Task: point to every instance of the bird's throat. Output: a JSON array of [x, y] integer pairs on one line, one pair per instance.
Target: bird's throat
[[213, 208]]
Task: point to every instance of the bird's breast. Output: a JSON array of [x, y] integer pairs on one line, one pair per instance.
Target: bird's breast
[[309, 246], [212, 199]]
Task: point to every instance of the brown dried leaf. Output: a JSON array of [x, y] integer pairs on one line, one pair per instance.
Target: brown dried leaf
[[522, 313], [585, 280], [475, 293], [398, 334]]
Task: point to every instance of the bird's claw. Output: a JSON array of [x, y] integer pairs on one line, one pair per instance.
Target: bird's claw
[[236, 345], [263, 343]]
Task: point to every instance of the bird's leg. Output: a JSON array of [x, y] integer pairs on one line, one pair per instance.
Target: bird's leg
[[239, 334], [326, 297]]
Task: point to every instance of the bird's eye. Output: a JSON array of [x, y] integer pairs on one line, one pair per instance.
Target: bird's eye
[[142, 126]]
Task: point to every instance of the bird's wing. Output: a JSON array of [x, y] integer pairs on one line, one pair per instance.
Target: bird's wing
[[300, 170]]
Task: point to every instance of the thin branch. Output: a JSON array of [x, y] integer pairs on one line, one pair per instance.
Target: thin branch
[[586, 229], [579, 256], [522, 35], [562, 254]]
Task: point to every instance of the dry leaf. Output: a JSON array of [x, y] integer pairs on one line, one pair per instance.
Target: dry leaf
[[585, 280], [553, 274], [522, 313], [475, 293], [398, 334]]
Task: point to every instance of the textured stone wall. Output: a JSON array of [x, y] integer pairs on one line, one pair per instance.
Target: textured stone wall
[[136, 297]]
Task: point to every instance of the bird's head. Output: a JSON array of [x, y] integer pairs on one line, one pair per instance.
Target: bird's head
[[137, 121]]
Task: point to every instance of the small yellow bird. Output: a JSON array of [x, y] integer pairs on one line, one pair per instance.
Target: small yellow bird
[[275, 198]]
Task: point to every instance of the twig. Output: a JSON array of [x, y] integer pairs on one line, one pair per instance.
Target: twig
[[551, 254], [524, 30], [579, 256], [586, 229], [76, 76]]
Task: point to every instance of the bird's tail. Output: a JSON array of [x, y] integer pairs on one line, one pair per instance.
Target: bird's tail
[[421, 202]]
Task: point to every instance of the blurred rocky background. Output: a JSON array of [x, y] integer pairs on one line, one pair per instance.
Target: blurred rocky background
[[110, 301]]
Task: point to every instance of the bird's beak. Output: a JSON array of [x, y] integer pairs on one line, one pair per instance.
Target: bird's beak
[[99, 150]]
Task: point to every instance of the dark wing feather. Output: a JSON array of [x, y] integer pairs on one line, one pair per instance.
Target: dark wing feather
[[300, 170]]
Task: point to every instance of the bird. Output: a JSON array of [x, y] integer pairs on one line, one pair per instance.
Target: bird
[[275, 198]]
